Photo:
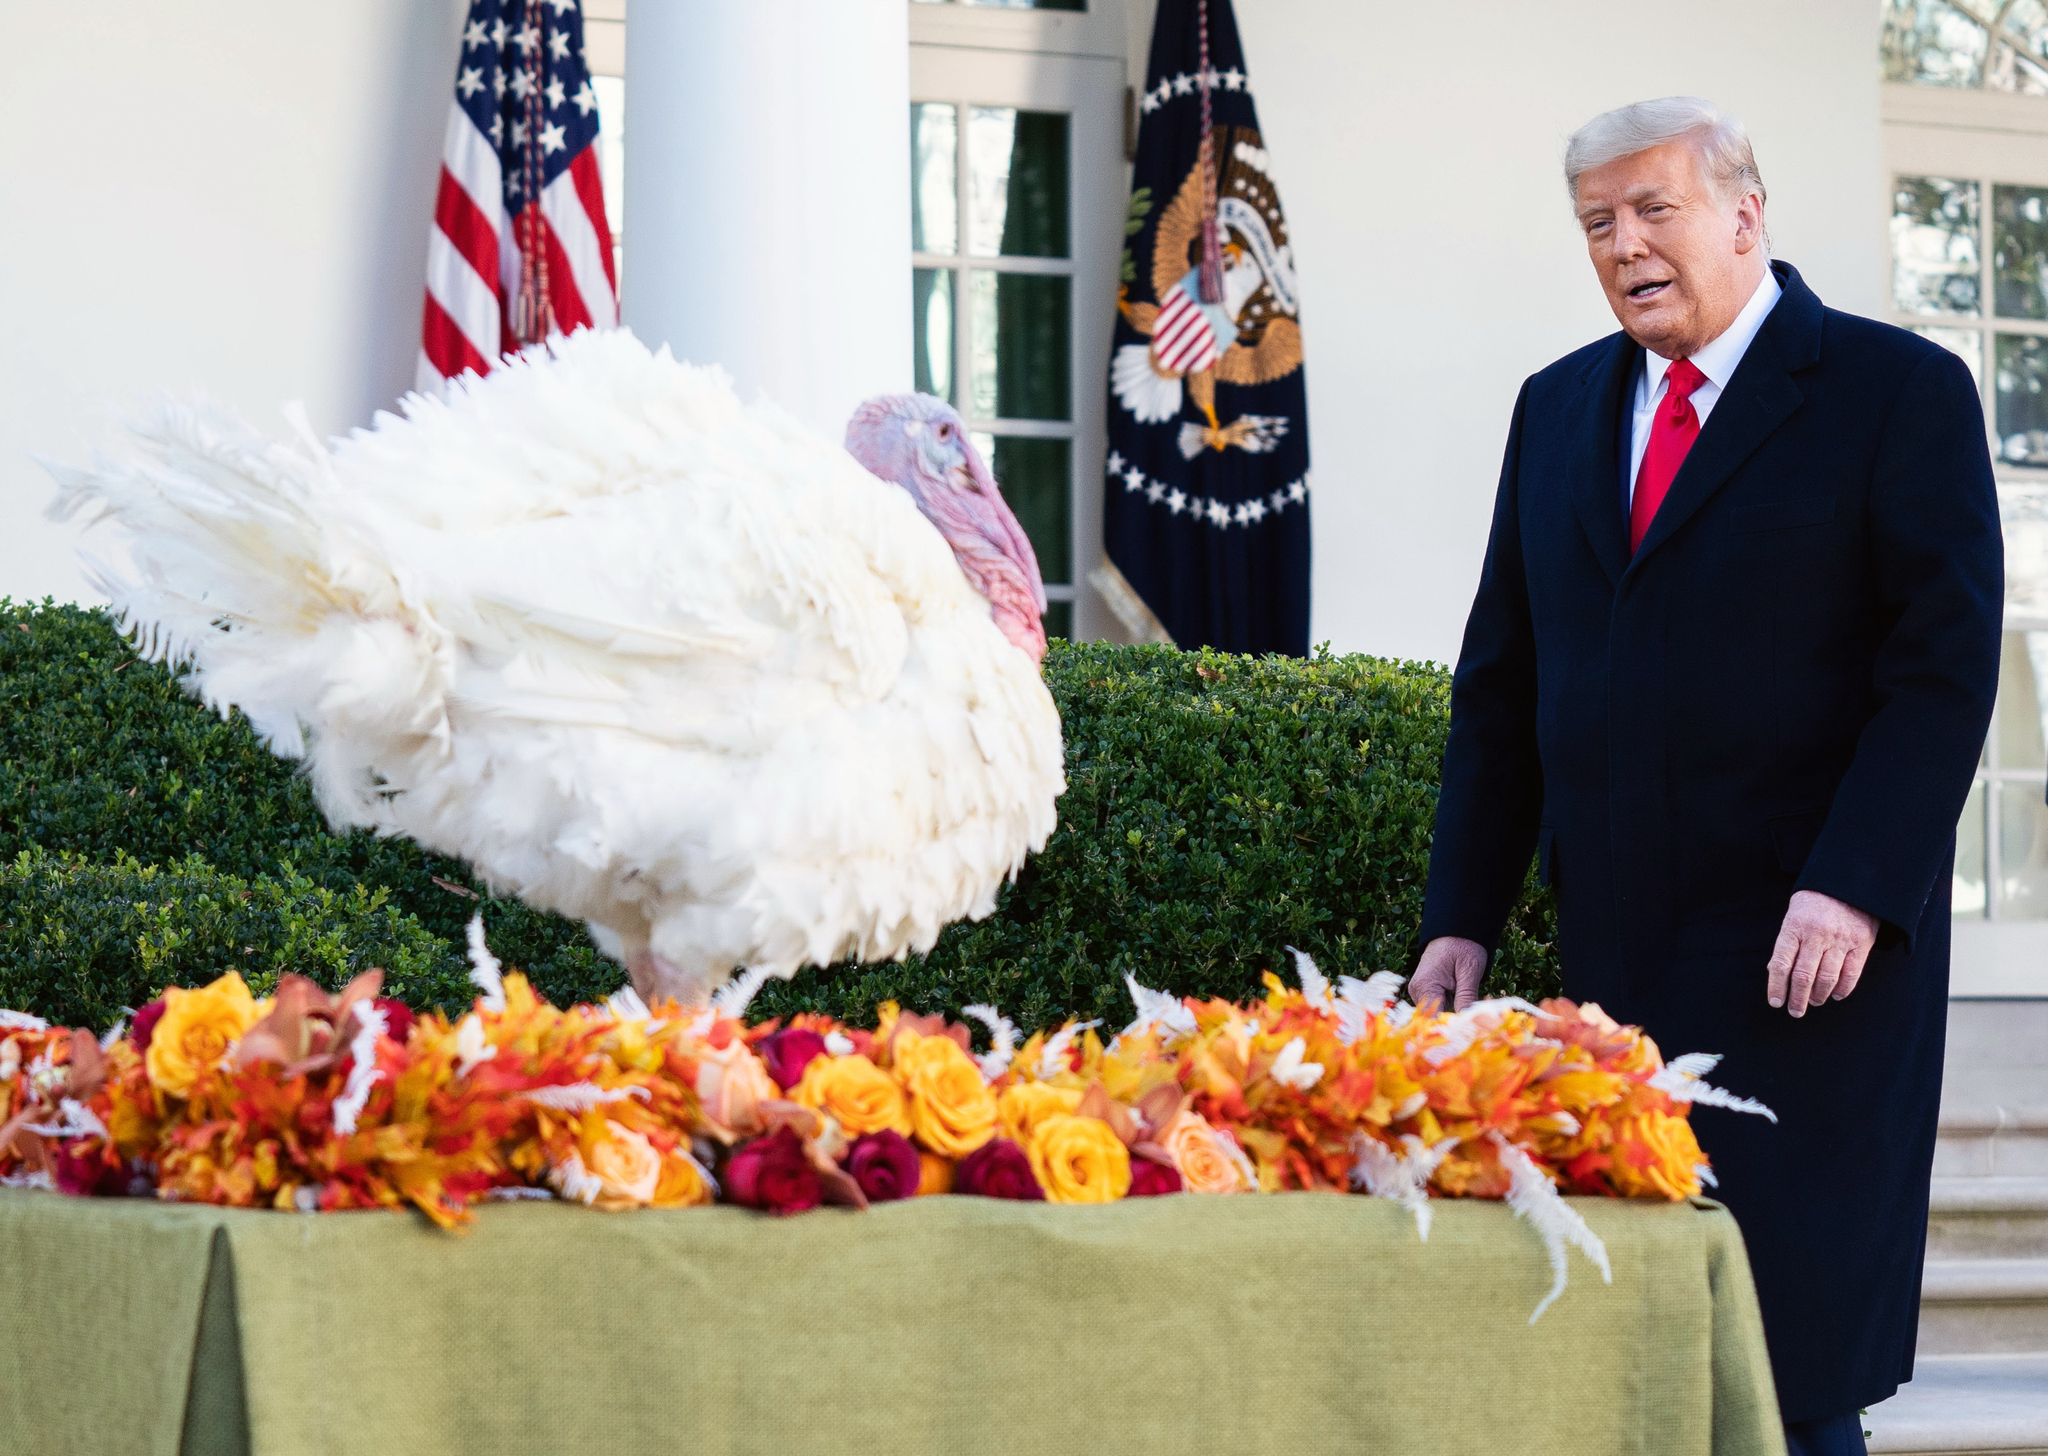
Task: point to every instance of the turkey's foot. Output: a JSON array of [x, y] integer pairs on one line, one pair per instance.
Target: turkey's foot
[[658, 980]]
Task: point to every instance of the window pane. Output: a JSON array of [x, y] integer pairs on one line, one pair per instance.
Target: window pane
[[1931, 43], [1967, 888], [1934, 245], [931, 302], [2021, 408], [2026, 25], [1017, 182], [2019, 251], [1036, 477], [1966, 344], [2017, 721], [1059, 619], [934, 194], [2023, 852], [1021, 346]]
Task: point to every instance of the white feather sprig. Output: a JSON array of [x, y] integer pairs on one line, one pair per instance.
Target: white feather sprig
[[1358, 1000], [484, 971], [1052, 1057], [471, 1050], [1315, 986], [839, 1044], [571, 1180], [1680, 1081], [1706, 1175], [365, 1074], [1157, 1008], [1289, 1070], [1534, 1197], [113, 1034], [1002, 1041], [733, 998], [22, 1021], [1401, 1175], [1467, 1026], [516, 1192], [78, 1121], [625, 1005], [582, 1096]]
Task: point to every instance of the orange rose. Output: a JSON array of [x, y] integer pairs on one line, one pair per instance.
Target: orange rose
[[952, 1112], [856, 1093], [935, 1174], [731, 1086], [626, 1166], [1656, 1156], [1026, 1104], [1198, 1150]]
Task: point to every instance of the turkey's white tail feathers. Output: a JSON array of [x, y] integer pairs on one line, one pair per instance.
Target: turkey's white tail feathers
[[1534, 1197], [485, 973]]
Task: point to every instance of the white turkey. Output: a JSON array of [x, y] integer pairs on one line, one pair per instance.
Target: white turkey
[[641, 654]]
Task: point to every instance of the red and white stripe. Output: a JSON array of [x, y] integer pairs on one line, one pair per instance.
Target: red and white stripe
[[1183, 340], [474, 264]]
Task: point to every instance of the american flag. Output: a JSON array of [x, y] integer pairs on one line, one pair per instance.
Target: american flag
[[520, 248]]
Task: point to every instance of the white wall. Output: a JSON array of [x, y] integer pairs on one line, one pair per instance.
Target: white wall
[[231, 194], [236, 195], [1417, 154]]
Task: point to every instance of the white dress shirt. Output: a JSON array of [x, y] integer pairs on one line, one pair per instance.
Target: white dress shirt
[[1717, 361]]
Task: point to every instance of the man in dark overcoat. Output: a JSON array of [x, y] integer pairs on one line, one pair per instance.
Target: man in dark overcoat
[[1727, 676]]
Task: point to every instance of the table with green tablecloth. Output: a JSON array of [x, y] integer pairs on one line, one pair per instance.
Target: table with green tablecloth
[[1287, 1323]]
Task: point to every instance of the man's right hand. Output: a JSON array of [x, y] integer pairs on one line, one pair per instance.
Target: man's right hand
[[1450, 972]]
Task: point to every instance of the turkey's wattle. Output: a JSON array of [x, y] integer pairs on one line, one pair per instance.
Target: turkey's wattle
[[640, 654], [919, 442]]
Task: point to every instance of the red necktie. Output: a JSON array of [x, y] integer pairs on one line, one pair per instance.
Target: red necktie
[[1672, 432]]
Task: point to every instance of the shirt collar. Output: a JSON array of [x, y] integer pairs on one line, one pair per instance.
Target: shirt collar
[[1718, 359]]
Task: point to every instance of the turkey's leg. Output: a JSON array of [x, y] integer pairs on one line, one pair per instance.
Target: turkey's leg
[[658, 980]]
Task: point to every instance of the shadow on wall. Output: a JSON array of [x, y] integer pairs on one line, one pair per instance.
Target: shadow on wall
[[423, 46]]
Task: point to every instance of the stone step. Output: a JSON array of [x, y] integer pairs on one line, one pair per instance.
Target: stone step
[[1981, 1306], [1989, 1217], [1966, 1405], [1992, 1140]]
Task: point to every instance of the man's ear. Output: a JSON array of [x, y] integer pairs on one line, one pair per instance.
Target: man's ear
[[1749, 222]]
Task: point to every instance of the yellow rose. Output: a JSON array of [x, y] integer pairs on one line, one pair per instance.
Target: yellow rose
[[196, 1031], [625, 1164], [682, 1183], [952, 1112], [1079, 1160], [1656, 1156], [1198, 1151], [857, 1093], [1024, 1105]]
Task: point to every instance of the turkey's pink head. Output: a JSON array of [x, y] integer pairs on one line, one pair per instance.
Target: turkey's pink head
[[917, 441]]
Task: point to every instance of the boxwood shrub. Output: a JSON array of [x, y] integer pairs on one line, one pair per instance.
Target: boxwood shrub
[[1218, 810], [81, 943]]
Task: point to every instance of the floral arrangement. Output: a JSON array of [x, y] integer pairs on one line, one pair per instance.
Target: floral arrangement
[[320, 1102]]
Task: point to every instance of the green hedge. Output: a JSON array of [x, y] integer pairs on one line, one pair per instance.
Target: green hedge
[[1218, 809], [82, 943]]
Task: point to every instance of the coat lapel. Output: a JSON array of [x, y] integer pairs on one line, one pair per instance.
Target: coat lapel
[[1596, 464], [1757, 400]]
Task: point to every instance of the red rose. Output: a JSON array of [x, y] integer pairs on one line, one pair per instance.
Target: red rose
[[1150, 1179], [885, 1165], [144, 1026], [788, 1052], [398, 1019], [997, 1169], [773, 1173], [93, 1172]]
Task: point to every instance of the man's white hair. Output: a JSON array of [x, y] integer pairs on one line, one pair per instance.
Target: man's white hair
[[1721, 141]]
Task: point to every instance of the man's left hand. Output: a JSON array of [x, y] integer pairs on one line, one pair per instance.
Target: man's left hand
[[1820, 951]]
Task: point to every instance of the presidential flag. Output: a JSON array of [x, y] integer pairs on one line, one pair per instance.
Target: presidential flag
[[1206, 503], [519, 248]]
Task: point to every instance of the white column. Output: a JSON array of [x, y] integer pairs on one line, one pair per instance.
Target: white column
[[768, 194]]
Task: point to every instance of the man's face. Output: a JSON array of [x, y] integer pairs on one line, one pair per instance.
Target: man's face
[[1677, 262]]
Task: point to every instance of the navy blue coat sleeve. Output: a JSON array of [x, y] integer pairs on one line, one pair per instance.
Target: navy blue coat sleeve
[[1938, 564], [1492, 795]]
